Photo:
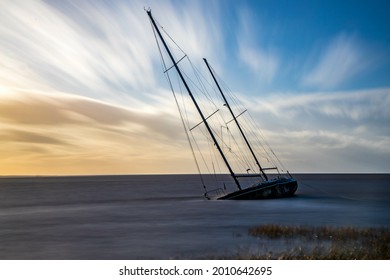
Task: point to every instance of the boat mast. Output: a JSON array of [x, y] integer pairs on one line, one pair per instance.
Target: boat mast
[[236, 121], [149, 12]]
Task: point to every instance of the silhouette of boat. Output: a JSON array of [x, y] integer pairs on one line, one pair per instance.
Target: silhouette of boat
[[281, 185]]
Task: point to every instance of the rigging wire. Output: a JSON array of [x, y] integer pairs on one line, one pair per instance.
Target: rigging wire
[[191, 133], [235, 150], [181, 115], [254, 127], [184, 120], [241, 156], [248, 155]]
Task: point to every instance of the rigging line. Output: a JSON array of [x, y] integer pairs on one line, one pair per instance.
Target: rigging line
[[267, 146], [162, 28], [248, 163], [237, 116], [183, 101], [213, 155], [201, 78], [172, 89], [252, 130], [228, 134], [217, 161], [241, 162], [253, 124], [177, 62], [185, 56], [177, 104], [202, 121], [166, 33], [205, 92], [158, 46], [243, 135], [203, 89], [196, 73], [195, 103], [200, 153], [210, 83], [232, 97], [188, 139], [248, 121], [259, 144], [190, 132], [270, 148], [195, 85], [178, 107], [209, 144], [241, 156]]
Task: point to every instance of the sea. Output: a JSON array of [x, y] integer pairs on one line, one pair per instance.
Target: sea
[[166, 216]]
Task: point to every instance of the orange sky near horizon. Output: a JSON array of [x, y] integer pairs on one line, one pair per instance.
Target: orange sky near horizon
[[63, 134]]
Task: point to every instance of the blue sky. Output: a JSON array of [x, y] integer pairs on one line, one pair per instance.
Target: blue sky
[[82, 91], [311, 44]]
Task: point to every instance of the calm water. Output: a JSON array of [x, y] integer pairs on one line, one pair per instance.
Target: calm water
[[165, 216]]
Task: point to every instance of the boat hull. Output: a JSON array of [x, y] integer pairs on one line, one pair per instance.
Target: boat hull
[[278, 188]]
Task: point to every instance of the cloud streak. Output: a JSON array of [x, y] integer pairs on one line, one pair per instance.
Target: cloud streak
[[50, 48], [328, 129], [103, 50], [259, 58], [39, 130], [342, 59]]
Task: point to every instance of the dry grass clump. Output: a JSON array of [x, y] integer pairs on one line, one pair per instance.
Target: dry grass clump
[[325, 232], [321, 243]]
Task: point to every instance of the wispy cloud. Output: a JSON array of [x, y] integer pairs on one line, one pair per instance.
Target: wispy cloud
[[194, 25], [103, 50], [344, 58], [261, 59], [323, 131], [14, 135], [92, 50], [358, 105]]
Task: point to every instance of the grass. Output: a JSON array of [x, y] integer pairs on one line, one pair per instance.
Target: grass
[[319, 243]]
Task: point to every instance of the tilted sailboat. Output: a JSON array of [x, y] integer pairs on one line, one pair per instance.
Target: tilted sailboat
[[281, 185]]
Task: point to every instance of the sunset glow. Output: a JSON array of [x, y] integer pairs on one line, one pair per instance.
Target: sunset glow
[[82, 89]]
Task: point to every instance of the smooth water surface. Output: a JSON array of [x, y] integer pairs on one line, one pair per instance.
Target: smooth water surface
[[165, 216]]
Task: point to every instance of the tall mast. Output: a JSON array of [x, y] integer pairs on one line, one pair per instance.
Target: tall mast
[[149, 12], [236, 121]]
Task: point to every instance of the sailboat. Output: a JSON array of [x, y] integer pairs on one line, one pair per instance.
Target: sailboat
[[264, 187]]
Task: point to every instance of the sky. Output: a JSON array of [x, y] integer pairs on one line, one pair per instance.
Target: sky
[[82, 90]]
